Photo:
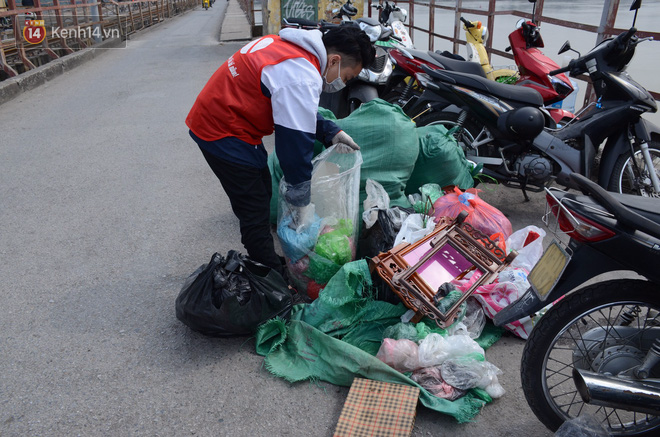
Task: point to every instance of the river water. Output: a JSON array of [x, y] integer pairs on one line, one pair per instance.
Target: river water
[[644, 67]]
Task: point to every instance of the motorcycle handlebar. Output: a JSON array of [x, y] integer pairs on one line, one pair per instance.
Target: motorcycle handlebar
[[467, 23], [559, 71], [629, 34]]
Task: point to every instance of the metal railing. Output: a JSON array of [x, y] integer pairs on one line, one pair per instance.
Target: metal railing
[[72, 25], [604, 30]]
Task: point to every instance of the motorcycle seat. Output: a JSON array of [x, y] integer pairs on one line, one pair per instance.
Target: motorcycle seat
[[453, 64], [513, 94], [447, 63], [645, 207]]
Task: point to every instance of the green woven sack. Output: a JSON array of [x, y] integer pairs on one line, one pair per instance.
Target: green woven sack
[[389, 145], [441, 161]]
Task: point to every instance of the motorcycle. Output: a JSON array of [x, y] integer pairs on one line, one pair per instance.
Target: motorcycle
[[534, 67], [205, 5], [475, 35], [392, 16], [403, 88], [596, 351], [502, 126]]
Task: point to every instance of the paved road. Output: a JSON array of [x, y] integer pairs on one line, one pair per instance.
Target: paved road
[[106, 206]]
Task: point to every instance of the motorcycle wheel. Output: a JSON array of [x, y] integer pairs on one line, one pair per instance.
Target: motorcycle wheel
[[625, 178], [581, 331], [449, 120]]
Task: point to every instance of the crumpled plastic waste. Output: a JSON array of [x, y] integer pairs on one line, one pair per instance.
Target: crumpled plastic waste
[[401, 355], [401, 331], [334, 243], [423, 201], [585, 425], [436, 349], [465, 373], [528, 242], [472, 323], [431, 379], [297, 243], [377, 198], [414, 228]]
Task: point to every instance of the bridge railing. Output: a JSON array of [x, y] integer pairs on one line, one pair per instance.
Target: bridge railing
[[72, 25]]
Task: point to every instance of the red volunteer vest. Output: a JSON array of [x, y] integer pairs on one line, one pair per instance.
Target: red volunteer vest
[[232, 103]]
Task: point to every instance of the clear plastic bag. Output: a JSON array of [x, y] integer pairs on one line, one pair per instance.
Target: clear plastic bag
[[328, 241], [401, 355], [436, 349], [466, 373], [431, 379], [585, 425], [472, 323]]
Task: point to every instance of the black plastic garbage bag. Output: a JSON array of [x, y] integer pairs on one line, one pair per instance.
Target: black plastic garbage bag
[[232, 296], [380, 237]]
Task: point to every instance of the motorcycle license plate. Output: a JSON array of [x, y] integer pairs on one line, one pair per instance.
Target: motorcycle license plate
[[548, 270]]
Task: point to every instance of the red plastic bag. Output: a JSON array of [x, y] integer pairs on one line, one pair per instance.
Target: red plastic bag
[[482, 216]]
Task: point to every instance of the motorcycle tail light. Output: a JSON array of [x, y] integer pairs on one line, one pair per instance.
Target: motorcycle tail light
[[424, 79], [577, 226], [561, 87]]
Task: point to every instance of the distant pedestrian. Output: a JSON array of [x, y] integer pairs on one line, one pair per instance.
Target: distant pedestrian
[[271, 85]]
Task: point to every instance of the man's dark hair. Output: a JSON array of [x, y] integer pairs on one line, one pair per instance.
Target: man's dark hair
[[351, 42]]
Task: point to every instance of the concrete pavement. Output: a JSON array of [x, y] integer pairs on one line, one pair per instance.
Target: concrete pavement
[[235, 26], [106, 206]]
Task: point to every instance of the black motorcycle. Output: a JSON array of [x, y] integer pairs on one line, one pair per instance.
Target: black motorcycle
[[597, 350], [502, 126]]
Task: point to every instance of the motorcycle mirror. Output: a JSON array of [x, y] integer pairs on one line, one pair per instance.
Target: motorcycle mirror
[[566, 47], [636, 4]]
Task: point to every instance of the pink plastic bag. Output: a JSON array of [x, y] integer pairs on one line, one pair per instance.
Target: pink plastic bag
[[483, 216], [402, 355]]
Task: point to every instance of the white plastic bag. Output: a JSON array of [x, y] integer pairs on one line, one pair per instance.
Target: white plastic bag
[[435, 349], [401, 355], [530, 254], [377, 198], [414, 229]]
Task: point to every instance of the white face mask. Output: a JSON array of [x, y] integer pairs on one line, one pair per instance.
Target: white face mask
[[335, 85]]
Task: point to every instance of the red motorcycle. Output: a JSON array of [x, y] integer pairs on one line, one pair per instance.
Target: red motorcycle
[[534, 67]]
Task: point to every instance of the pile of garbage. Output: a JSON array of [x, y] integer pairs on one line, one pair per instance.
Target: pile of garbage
[[395, 190]]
